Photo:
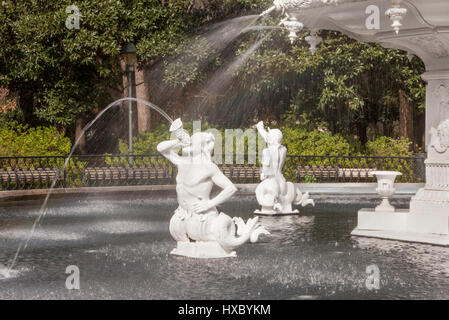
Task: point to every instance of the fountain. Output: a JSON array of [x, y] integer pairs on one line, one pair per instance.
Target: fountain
[[274, 194], [197, 226], [221, 35], [300, 260], [42, 211]]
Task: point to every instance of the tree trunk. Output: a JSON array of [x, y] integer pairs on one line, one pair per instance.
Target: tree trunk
[[142, 92], [361, 132], [405, 116], [79, 125], [420, 131], [124, 109], [26, 103], [380, 129]]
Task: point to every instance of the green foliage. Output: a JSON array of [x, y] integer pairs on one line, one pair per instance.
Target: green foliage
[[146, 142], [386, 146], [38, 141], [11, 117], [310, 179], [299, 141], [25, 141], [185, 66], [60, 73], [345, 87], [303, 142]]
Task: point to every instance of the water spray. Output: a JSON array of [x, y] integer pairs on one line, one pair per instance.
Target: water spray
[[42, 211], [268, 11]]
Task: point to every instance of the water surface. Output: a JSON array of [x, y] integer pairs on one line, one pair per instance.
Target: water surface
[[122, 250]]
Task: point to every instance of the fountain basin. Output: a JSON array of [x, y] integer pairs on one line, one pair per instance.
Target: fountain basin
[[121, 245]]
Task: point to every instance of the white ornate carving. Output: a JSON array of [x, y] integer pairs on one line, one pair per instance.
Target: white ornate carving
[[293, 26], [274, 194], [200, 230], [439, 138], [305, 4], [313, 40], [396, 14], [437, 176], [442, 92], [431, 44]]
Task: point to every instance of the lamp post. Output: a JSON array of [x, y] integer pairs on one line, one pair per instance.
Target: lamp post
[[129, 54]]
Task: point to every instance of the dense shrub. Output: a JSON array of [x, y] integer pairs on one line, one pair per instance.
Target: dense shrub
[[146, 142], [303, 142], [386, 146], [25, 141], [297, 140]]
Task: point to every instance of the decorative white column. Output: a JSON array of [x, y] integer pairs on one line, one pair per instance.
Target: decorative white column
[[437, 100], [429, 208]]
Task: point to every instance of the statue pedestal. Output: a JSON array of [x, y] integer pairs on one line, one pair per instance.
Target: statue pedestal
[[429, 210], [201, 250], [275, 213]]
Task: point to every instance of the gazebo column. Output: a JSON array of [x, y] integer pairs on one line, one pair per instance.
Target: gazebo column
[[429, 208], [437, 99]]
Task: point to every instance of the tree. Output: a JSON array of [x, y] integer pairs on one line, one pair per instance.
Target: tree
[[358, 89], [62, 75]]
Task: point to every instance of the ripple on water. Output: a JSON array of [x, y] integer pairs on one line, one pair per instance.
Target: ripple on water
[[125, 254], [41, 234]]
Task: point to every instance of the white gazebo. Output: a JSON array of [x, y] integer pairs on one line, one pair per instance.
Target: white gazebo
[[420, 27]]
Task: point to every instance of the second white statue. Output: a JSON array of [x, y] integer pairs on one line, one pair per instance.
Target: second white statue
[[274, 193]]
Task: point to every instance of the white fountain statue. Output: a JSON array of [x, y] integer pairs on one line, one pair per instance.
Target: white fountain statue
[[200, 230], [274, 193]]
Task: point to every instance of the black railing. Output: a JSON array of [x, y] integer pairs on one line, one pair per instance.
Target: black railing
[[36, 172]]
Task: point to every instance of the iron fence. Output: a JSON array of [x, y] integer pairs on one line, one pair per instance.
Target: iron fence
[[36, 172]]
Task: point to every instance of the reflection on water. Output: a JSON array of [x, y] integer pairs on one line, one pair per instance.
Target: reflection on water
[[122, 246], [6, 274]]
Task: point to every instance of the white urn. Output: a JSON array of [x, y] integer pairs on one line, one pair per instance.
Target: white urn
[[385, 188]]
